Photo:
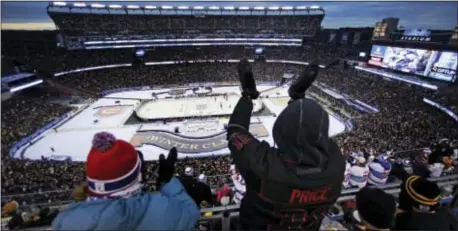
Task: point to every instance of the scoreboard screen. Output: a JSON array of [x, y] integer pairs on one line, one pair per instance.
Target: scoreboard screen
[[440, 65]]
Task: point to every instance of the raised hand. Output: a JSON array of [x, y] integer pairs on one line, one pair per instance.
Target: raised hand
[[247, 79], [166, 167], [305, 80]]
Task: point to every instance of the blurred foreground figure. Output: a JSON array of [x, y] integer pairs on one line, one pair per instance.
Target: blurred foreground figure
[[419, 207], [375, 210], [196, 188], [291, 186], [112, 199]]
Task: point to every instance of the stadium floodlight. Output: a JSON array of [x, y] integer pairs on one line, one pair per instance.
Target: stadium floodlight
[[133, 7], [198, 8], [213, 7], [273, 8], [259, 8], [301, 7], [110, 6], [314, 7], [183, 7], [150, 7], [97, 5], [167, 7], [79, 4], [229, 8], [59, 3], [244, 8], [286, 7]]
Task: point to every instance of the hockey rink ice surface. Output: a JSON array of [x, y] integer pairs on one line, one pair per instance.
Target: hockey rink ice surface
[[73, 137]]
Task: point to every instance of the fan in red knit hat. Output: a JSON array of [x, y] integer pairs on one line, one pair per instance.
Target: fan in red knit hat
[[113, 167]]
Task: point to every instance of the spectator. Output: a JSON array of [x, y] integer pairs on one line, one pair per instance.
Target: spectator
[[375, 209], [299, 179], [224, 192], [110, 159], [10, 208], [419, 207], [196, 188]]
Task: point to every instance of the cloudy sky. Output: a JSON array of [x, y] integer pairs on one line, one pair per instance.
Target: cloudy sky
[[431, 15]]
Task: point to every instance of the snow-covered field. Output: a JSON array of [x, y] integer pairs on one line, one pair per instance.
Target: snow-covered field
[[73, 138]]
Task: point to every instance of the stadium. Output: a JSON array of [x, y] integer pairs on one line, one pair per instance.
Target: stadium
[[160, 77]]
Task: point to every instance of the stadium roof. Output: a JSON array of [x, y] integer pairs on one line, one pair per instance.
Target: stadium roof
[[93, 5]]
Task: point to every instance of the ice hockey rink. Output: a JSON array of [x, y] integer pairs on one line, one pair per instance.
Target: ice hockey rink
[[195, 138]]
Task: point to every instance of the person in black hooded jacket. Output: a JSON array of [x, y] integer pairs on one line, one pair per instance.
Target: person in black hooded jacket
[[198, 191], [293, 185]]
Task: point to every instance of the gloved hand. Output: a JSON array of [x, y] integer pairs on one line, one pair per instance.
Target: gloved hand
[[166, 168], [305, 80], [247, 79]]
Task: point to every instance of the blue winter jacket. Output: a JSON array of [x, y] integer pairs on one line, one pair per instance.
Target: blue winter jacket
[[170, 209]]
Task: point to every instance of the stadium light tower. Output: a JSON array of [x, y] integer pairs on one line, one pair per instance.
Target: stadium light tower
[[59, 3], [114, 6], [97, 5], [150, 7], [79, 4], [133, 7]]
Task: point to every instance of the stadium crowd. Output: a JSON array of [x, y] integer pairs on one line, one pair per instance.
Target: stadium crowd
[[52, 60], [171, 25], [403, 131], [403, 123]]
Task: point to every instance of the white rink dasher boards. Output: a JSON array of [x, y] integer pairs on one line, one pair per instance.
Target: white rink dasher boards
[[189, 107]]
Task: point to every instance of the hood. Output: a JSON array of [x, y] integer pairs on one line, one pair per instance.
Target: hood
[[309, 157], [301, 135]]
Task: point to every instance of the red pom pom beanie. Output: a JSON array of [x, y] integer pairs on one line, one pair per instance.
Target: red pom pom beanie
[[113, 167]]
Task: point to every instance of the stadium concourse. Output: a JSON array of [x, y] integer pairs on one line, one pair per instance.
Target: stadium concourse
[[47, 130]]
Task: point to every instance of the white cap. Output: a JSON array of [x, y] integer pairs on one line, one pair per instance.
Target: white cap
[[225, 200], [361, 160], [232, 169], [371, 158], [202, 178], [188, 171]]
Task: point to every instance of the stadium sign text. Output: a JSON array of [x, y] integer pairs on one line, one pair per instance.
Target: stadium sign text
[[167, 140]]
